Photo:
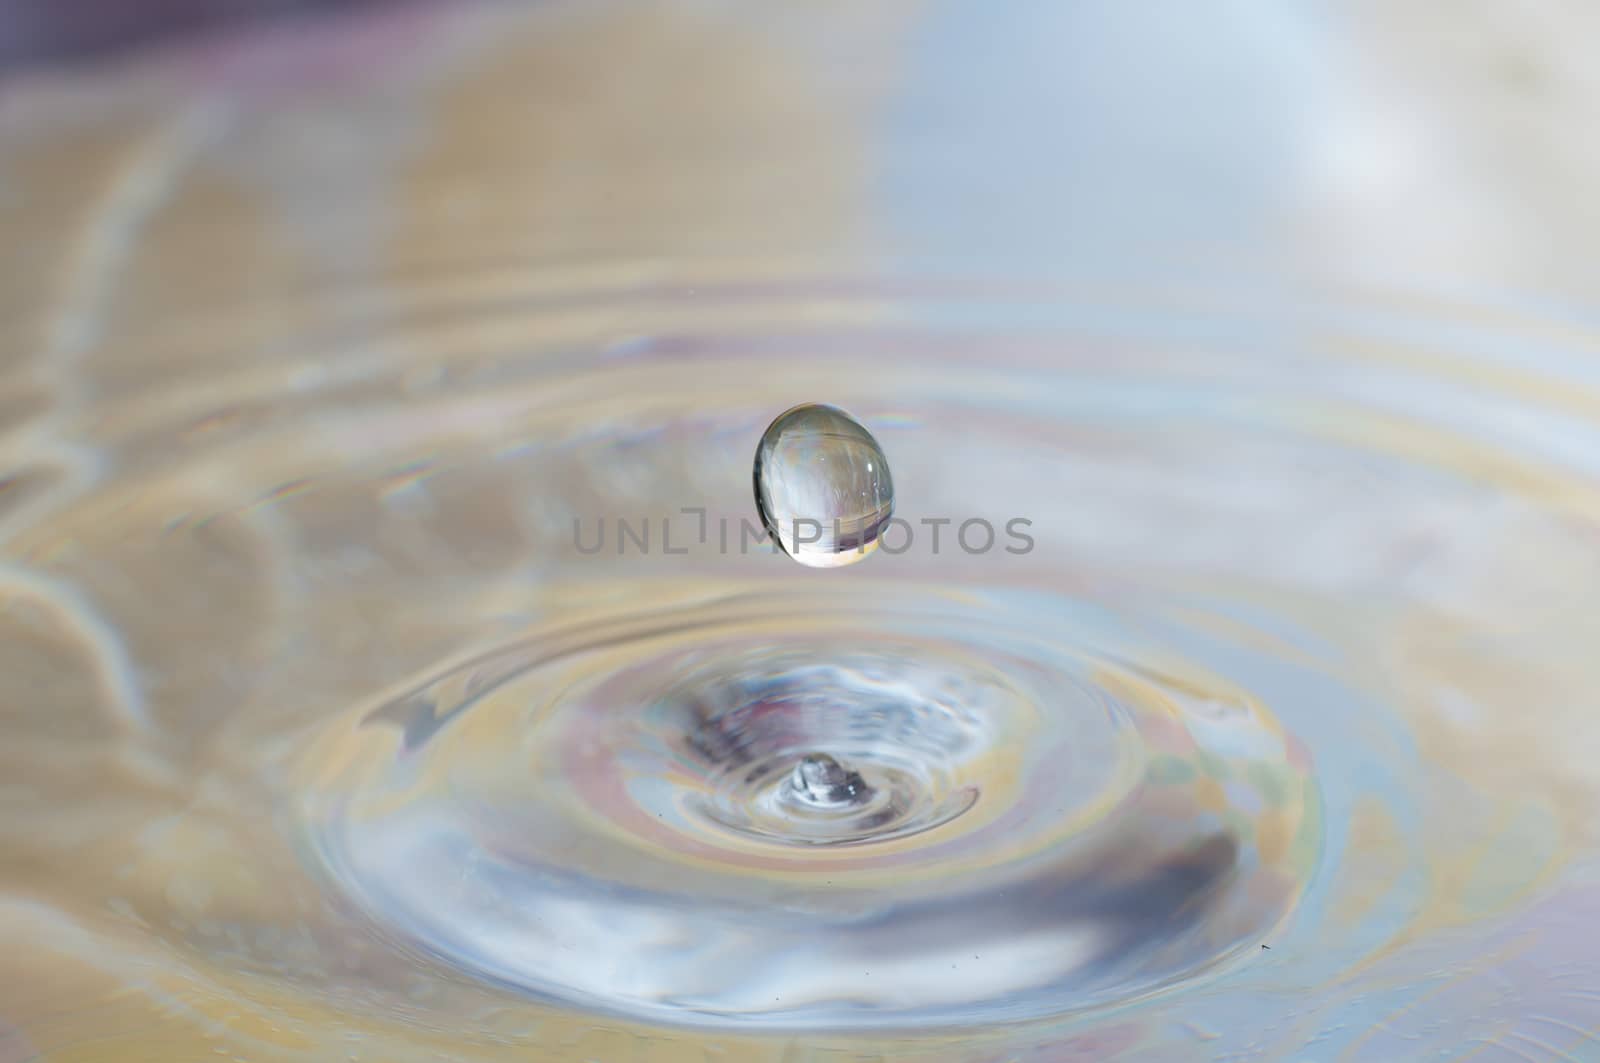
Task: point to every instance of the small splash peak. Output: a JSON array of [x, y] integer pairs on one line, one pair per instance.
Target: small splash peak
[[822, 782]]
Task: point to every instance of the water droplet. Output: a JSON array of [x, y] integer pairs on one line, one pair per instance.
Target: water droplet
[[822, 486], [821, 781]]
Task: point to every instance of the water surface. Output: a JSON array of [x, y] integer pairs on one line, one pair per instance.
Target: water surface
[[325, 736]]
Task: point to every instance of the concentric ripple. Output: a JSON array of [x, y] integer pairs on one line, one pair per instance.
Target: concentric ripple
[[339, 721], [760, 812], [449, 780]]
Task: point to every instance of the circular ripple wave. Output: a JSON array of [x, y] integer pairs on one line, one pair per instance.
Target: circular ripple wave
[[617, 814]]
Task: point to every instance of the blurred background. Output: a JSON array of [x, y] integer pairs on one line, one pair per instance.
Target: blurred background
[[38, 31], [1434, 141]]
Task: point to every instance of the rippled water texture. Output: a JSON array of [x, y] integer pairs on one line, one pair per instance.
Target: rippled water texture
[[341, 718]]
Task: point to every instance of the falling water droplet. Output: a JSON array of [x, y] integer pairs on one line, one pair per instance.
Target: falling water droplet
[[822, 486]]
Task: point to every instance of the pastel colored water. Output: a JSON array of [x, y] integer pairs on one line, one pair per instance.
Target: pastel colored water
[[385, 673]]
